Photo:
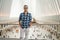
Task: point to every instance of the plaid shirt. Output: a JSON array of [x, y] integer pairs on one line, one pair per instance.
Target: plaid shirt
[[25, 20]]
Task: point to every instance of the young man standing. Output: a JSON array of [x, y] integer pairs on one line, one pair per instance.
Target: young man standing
[[24, 23]]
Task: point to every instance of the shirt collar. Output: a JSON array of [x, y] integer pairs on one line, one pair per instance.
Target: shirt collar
[[24, 13]]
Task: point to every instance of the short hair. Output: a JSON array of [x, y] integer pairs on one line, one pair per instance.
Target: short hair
[[25, 6]]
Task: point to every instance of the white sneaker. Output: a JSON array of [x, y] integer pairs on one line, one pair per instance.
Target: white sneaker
[[21, 38]]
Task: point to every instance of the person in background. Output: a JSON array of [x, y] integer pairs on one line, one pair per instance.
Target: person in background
[[25, 23]]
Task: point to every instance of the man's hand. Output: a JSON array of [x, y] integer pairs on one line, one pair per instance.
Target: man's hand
[[30, 24], [19, 24]]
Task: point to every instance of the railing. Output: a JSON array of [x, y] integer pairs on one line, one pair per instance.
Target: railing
[[52, 28]]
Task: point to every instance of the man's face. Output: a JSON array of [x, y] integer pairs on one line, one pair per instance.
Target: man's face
[[25, 8]]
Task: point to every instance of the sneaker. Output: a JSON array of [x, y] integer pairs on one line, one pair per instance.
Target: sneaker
[[21, 38]]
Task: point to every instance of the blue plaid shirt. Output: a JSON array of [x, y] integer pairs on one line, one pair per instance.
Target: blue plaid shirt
[[25, 20]]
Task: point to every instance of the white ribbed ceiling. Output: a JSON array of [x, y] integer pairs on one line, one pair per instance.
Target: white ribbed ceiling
[[5, 6], [38, 8]]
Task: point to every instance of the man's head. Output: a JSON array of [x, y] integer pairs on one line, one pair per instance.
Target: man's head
[[25, 8]]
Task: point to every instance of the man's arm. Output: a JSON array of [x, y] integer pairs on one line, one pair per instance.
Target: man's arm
[[19, 20], [30, 19]]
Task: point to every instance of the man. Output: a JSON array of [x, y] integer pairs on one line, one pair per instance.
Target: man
[[24, 23]]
